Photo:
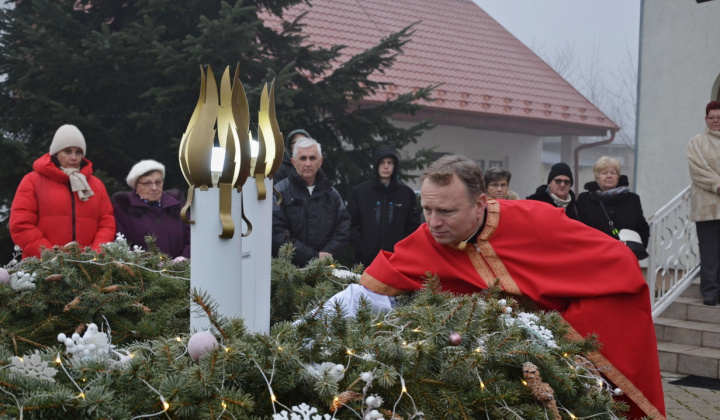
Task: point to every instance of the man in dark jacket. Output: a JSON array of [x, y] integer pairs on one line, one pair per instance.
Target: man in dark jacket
[[286, 167], [382, 211], [312, 215], [558, 190]]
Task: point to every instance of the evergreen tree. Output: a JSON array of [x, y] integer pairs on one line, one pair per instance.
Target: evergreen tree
[[127, 74], [435, 356]]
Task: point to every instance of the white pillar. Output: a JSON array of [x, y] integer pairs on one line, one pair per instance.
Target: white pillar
[[568, 144], [216, 266], [256, 257]]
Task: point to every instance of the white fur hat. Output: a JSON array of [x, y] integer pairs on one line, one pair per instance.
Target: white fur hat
[[67, 136], [141, 168]]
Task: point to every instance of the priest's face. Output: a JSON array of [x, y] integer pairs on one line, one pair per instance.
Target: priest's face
[[449, 214]]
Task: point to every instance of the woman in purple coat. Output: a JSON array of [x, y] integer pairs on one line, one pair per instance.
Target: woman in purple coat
[[148, 210]]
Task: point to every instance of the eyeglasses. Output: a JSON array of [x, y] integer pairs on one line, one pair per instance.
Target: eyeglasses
[[149, 184], [496, 185], [562, 181], [713, 118]]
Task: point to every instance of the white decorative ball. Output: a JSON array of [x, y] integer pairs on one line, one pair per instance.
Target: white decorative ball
[[76, 337], [4, 276], [201, 343], [370, 401], [62, 337], [366, 376], [617, 391], [502, 302], [508, 310], [68, 342]]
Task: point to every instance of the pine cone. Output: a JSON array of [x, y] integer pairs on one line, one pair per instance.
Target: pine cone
[[124, 268], [53, 278], [344, 398], [110, 289], [392, 416], [542, 391], [72, 304]]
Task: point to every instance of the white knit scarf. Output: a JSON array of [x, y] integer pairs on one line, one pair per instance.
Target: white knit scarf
[[559, 201], [78, 183]]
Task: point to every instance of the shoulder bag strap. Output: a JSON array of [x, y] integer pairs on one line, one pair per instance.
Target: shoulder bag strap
[[613, 230]]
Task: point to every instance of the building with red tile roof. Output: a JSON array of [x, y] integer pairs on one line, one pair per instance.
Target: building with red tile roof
[[496, 98]]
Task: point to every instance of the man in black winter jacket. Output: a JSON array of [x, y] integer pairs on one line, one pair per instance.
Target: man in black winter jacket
[[312, 215], [558, 192], [382, 211]]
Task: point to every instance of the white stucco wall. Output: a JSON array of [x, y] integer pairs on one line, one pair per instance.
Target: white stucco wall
[[679, 64], [521, 153]]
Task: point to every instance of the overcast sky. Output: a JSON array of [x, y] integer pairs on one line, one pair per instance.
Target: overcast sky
[[612, 27], [603, 37]]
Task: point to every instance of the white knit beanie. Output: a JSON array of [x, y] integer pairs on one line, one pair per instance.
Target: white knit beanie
[[143, 167], [67, 136]]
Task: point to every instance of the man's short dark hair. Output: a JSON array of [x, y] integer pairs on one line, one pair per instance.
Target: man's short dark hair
[[469, 172], [497, 174]]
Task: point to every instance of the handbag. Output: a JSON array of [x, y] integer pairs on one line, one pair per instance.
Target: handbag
[[627, 236]]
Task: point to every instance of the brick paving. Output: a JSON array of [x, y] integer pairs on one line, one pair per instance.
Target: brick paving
[[689, 403]]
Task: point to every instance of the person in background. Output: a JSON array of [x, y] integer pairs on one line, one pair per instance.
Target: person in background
[[703, 154], [383, 210], [558, 190], [609, 196], [148, 210], [61, 201], [286, 167], [497, 181], [312, 215]]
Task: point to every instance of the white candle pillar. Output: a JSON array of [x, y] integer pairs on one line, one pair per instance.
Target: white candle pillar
[[215, 264], [256, 257]]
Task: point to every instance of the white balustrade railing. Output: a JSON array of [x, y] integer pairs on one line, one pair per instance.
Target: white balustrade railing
[[674, 259]]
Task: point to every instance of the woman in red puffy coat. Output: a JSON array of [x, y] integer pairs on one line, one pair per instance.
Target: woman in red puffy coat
[[61, 201]]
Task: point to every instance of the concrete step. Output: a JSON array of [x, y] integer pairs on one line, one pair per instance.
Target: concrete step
[[693, 291], [691, 333], [689, 360], [692, 309]]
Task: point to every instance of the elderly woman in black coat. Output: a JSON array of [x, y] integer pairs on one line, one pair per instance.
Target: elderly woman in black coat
[[608, 198]]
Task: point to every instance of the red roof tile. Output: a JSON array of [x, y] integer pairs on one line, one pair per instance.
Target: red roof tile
[[485, 71]]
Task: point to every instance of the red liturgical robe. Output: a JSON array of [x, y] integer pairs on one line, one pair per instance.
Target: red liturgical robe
[[533, 250]]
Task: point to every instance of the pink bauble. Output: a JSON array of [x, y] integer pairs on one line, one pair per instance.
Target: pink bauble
[[4, 276], [200, 343], [455, 339], [178, 259]]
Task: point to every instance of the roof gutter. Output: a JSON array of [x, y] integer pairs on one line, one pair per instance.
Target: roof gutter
[[576, 164]]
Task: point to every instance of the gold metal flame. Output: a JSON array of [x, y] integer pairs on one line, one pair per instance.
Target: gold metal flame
[[232, 116], [270, 141]]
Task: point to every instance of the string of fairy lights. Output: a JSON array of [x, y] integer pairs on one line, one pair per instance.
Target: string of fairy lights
[[583, 369]]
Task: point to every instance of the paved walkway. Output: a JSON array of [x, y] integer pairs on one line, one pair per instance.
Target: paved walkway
[[689, 403]]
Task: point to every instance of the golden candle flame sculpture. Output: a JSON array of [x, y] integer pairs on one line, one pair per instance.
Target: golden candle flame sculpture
[[232, 116]]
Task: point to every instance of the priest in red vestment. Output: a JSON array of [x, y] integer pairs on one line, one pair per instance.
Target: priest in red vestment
[[534, 251]]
